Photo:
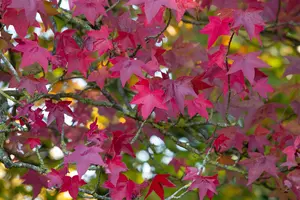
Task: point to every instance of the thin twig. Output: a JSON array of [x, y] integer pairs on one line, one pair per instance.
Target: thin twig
[[138, 133], [228, 78], [40, 158], [173, 196], [10, 67], [9, 97]]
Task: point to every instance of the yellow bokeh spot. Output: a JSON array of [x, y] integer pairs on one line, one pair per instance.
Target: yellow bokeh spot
[[171, 30], [122, 120]]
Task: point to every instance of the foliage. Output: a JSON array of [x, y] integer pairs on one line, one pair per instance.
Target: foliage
[[154, 99]]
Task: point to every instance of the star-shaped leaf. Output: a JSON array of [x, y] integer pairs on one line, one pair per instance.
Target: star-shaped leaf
[[216, 28], [72, 185], [33, 53], [91, 9], [57, 111], [84, 156], [153, 6], [259, 163], [157, 184], [148, 99], [247, 64], [198, 105], [36, 180], [126, 68]]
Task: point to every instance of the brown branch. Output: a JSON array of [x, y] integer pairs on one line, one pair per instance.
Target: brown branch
[[228, 77]]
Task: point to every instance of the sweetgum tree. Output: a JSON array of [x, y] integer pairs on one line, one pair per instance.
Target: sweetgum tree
[[150, 99]]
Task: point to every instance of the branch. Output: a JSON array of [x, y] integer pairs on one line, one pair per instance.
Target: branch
[[138, 132], [75, 20], [10, 67], [4, 158], [173, 196], [228, 77]]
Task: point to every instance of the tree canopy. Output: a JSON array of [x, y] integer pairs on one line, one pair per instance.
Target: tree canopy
[[149, 99]]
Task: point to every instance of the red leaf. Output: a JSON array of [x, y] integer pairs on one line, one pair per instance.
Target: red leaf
[[157, 184], [152, 7], [33, 142], [124, 188], [31, 84], [178, 89], [13, 17], [148, 99], [259, 163], [99, 76], [290, 152], [57, 111], [97, 40], [55, 177], [127, 67], [262, 87], [247, 64], [216, 28], [33, 53], [206, 186], [84, 156], [121, 142], [252, 21], [114, 167], [91, 9], [198, 105], [36, 180], [72, 185]]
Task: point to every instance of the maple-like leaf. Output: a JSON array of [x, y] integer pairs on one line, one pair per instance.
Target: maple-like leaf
[[31, 7], [220, 142], [198, 105], [124, 188], [157, 184], [199, 84], [247, 64], [36, 180], [31, 84], [183, 6], [72, 185], [121, 142], [13, 17], [262, 87], [84, 156], [33, 142], [291, 152], [126, 68], [148, 99], [97, 40], [55, 177], [252, 21], [258, 140], [57, 111], [95, 135], [33, 53], [79, 60], [218, 58], [216, 28], [294, 65], [99, 76], [91, 9], [206, 186], [153, 6], [178, 89], [259, 163], [114, 167]]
